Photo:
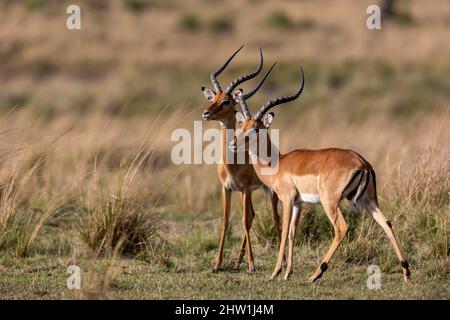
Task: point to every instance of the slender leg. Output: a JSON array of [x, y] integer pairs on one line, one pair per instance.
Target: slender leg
[[246, 222], [287, 211], [276, 219], [244, 239], [275, 216], [296, 216], [340, 230], [226, 199], [387, 227]]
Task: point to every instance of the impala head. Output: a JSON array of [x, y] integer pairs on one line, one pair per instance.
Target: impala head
[[251, 126], [223, 102]]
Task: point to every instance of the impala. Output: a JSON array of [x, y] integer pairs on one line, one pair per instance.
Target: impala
[[325, 176], [233, 176]]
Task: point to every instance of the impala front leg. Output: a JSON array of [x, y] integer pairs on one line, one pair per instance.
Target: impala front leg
[[244, 239], [287, 213], [246, 222], [226, 199]]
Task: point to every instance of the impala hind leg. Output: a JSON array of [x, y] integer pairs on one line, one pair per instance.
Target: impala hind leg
[[246, 222], [296, 217], [244, 239], [287, 212], [387, 227], [226, 200], [340, 230]]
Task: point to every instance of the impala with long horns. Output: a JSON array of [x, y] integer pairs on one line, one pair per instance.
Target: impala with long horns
[[325, 176], [234, 176]]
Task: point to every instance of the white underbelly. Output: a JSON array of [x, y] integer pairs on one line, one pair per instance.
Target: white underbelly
[[309, 198], [233, 184]]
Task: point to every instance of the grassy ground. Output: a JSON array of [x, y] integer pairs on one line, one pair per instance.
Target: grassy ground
[[186, 273]]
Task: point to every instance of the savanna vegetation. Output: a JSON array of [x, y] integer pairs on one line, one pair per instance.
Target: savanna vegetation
[[86, 117]]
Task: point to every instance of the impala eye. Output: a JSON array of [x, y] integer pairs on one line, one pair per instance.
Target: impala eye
[[226, 103]]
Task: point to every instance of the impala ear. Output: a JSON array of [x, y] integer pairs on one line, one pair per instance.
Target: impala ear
[[209, 94], [267, 120], [237, 94], [239, 117]]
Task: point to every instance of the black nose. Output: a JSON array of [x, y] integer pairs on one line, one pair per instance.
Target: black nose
[[206, 115]]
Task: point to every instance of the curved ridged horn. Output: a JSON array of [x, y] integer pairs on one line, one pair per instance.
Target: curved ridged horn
[[274, 102], [244, 97], [249, 76], [214, 74]]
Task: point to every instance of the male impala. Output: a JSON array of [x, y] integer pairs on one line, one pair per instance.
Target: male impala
[[326, 176], [234, 176]]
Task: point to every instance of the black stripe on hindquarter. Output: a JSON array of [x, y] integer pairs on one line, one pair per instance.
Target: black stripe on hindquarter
[[352, 193], [366, 184], [374, 179]]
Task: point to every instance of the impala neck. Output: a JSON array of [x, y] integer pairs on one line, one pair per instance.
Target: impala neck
[[229, 124], [265, 162]]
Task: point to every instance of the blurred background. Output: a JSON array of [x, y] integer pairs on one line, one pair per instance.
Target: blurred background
[[99, 104], [382, 92]]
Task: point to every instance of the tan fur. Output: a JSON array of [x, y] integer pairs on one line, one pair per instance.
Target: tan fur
[[236, 177], [333, 174]]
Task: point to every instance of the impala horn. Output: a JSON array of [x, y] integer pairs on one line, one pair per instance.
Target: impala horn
[[214, 74], [274, 102], [243, 97], [249, 76]]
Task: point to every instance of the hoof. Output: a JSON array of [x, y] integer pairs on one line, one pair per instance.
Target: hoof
[[275, 274], [407, 277], [286, 276], [314, 278], [215, 269]]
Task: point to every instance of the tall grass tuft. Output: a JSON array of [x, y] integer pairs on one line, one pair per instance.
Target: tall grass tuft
[[118, 223], [117, 220], [20, 221]]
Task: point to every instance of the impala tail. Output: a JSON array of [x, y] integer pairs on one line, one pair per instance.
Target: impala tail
[[361, 181]]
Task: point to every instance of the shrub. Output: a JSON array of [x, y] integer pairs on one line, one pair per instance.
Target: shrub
[[34, 5], [403, 18], [190, 22], [116, 221], [136, 5], [279, 20], [307, 23], [116, 224], [221, 25]]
